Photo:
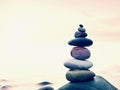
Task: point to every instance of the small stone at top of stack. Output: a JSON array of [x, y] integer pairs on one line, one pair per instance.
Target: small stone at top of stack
[[80, 38], [80, 32]]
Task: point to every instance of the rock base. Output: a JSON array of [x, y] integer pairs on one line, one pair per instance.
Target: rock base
[[98, 83]]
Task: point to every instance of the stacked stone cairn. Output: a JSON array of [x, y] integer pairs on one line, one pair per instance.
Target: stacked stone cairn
[[79, 65], [79, 75]]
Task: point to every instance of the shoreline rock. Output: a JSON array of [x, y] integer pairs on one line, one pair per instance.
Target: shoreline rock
[[99, 83]]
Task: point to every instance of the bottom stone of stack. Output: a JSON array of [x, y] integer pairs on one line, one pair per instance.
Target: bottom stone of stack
[[79, 75], [98, 83]]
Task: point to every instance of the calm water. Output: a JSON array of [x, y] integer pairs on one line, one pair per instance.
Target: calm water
[[23, 66]]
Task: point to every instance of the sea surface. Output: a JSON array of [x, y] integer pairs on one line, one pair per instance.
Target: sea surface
[[22, 67]]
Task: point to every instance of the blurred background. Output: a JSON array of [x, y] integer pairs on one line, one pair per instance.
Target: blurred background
[[34, 36]]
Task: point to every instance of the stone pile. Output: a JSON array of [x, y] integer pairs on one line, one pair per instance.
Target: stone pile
[[79, 75], [79, 65]]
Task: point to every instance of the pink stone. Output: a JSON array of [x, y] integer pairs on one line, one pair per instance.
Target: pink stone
[[80, 53]]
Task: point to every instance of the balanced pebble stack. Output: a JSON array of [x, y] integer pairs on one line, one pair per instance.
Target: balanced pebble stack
[[79, 65], [79, 75]]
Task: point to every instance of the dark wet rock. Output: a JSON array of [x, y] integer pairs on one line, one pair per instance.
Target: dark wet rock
[[79, 75], [81, 42], [6, 87], [98, 83], [81, 25], [44, 83], [81, 29], [46, 88], [80, 53], [80, 34]]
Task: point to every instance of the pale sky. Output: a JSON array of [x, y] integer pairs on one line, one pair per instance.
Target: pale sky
[[33, 21], [30, 29]]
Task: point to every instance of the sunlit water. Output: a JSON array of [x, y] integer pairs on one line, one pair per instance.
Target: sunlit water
[[23, 66]]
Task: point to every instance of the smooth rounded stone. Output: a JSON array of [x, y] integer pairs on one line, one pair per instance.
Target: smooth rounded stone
[[6, 87], [81, 29], [98, 83], [46, 88], [44, 83], [81, 42], [79, 75], [80, 53], [78, 64], [80, 34], [81, 25]]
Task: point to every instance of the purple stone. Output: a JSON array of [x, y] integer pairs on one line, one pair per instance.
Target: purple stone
[[80, 53]]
